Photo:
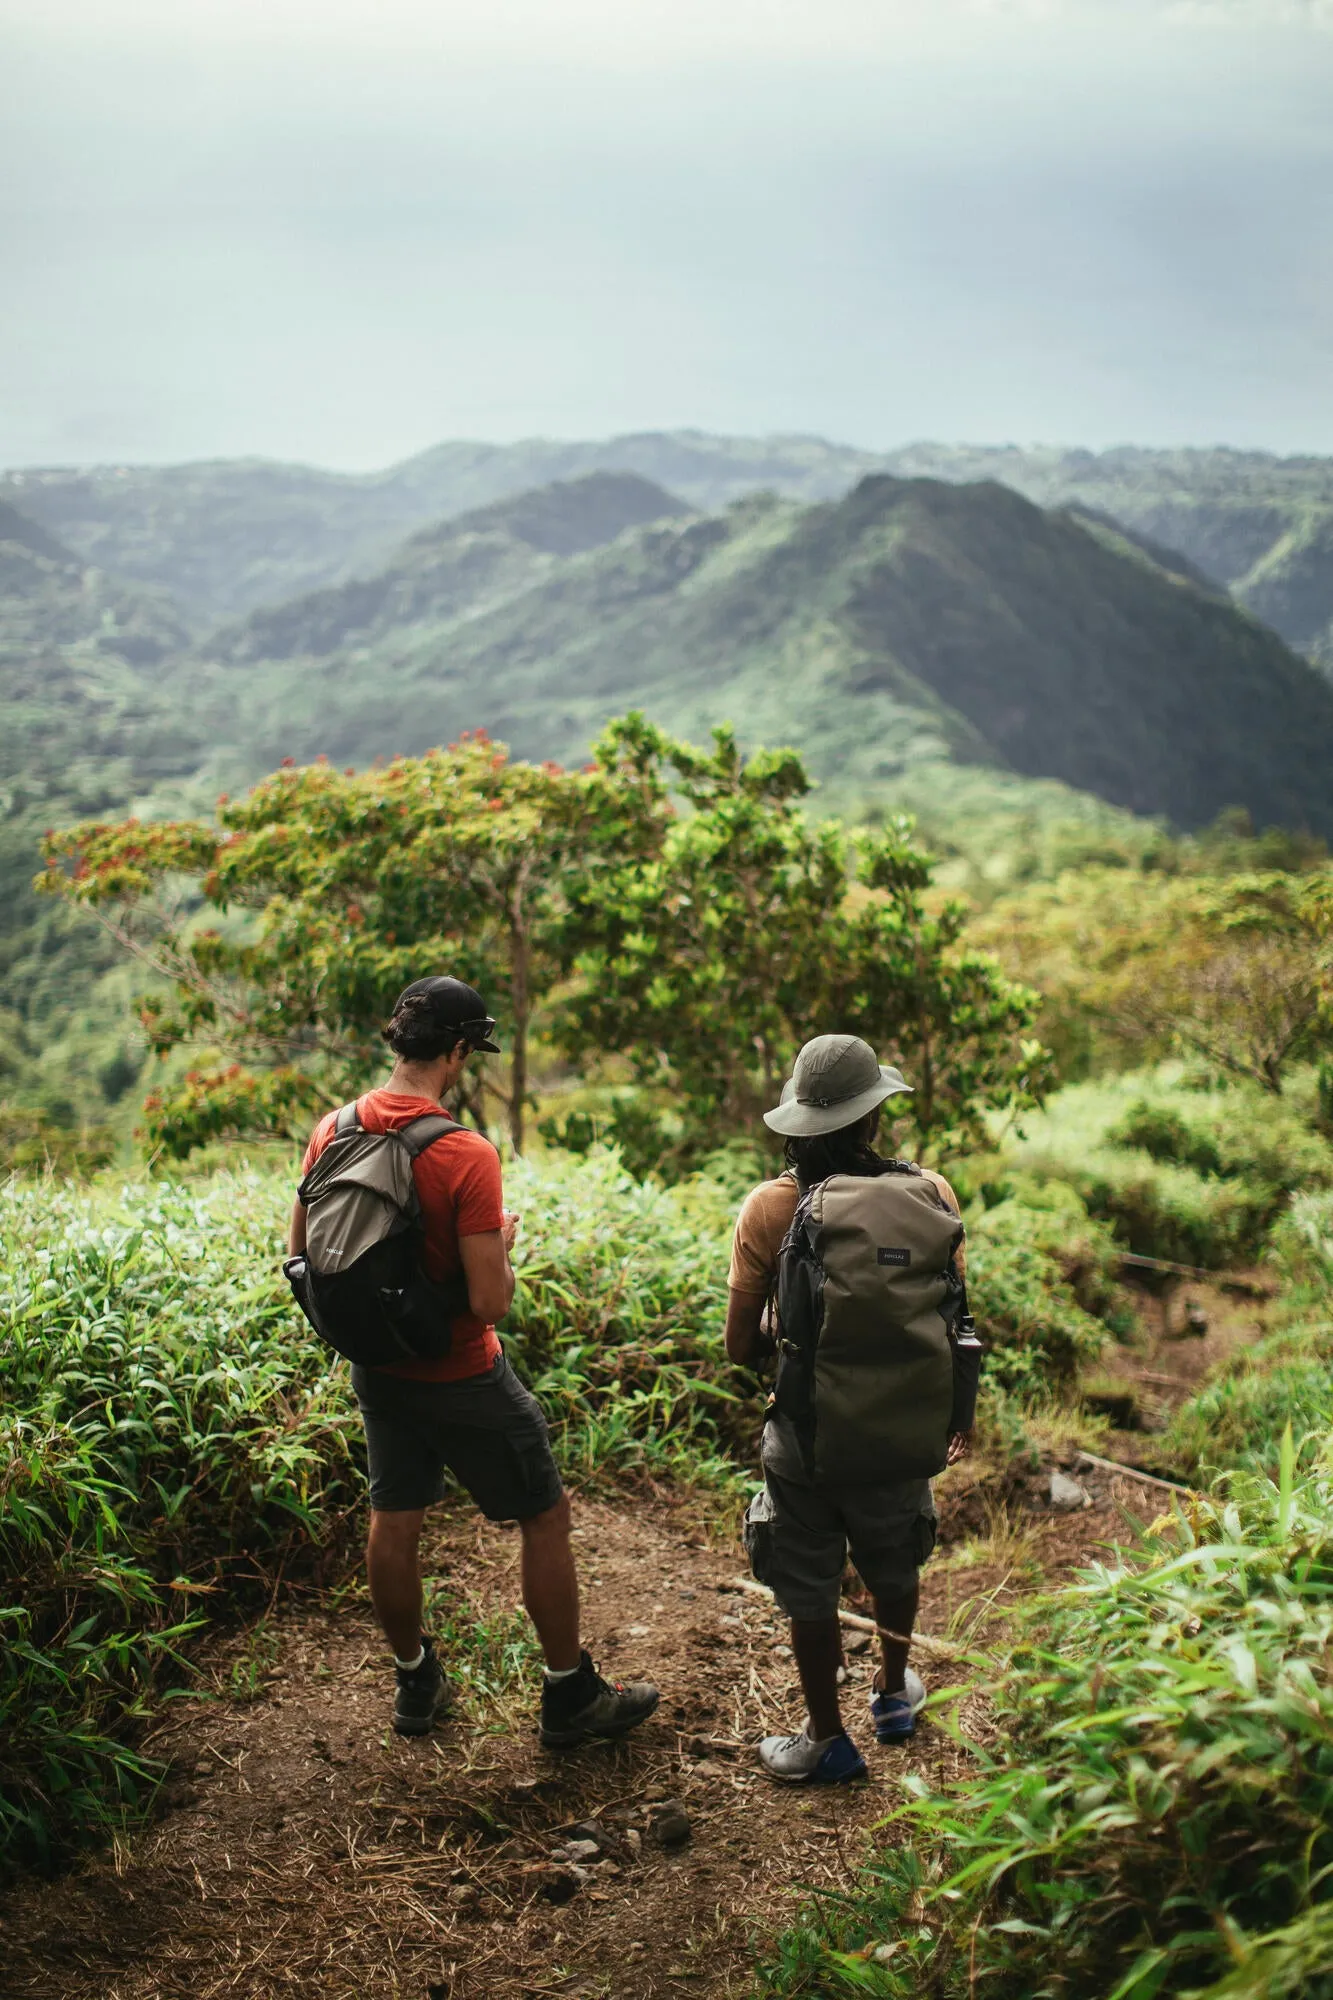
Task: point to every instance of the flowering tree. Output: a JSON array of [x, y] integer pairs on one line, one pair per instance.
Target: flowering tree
[[669, 905], [281, 935]]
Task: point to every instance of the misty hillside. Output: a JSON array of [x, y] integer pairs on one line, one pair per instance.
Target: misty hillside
[[455, 568], [227, 536], [1261, 525], [911, 621], [50, 597], [87, 728]]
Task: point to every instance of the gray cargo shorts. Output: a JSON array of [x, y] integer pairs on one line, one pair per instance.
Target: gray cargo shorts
[[487, 1430], [798, 1536]]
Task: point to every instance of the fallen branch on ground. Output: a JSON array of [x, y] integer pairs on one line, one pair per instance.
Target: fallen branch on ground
[[1132, 1472], [860, 1624]]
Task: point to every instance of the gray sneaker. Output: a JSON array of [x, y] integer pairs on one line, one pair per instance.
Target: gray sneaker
[[422, 1693], [584, 1705]]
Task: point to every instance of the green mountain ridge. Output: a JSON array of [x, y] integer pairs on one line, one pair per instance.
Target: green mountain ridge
[[947, 647], [227, 536], [88, 728], [912, 621], [455, 567], [1259, 524]]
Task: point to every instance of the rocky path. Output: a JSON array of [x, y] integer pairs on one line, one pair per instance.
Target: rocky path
[[303, 1849]]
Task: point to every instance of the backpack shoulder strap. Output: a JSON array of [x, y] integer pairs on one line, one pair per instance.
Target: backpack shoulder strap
[[348, 1120], [424, 1131]]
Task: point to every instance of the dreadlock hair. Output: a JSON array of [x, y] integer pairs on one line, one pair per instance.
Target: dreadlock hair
[[850, 1150], [416, 1035]]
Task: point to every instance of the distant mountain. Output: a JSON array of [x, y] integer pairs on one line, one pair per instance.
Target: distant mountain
[[456, 568], [1260, 525], [227, 536], [87, 727], [73, 643], [912, 621]]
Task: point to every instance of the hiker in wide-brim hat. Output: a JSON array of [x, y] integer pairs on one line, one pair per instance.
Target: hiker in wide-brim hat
[[836, 1080], [863, 1259]]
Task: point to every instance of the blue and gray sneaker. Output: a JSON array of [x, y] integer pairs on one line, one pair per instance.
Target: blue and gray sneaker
[[797, 1760], [894, 1715]]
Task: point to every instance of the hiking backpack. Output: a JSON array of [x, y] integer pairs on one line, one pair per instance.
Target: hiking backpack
[[359, 1281], [878, 1358]]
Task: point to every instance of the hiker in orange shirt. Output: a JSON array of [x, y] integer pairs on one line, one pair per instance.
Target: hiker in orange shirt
[[464, 1411]]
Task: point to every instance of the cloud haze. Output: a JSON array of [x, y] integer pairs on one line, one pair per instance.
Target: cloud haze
[[340, 232]]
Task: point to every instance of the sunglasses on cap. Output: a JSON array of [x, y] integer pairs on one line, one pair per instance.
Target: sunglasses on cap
[[477, 1033]]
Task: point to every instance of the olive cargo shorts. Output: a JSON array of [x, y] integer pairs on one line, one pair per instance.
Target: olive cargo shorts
[[797, 1536]]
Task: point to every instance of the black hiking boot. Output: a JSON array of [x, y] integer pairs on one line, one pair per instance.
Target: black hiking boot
[[585, 1705], [422, 1693]]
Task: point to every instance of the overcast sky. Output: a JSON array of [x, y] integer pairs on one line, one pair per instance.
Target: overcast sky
[[341, 230]]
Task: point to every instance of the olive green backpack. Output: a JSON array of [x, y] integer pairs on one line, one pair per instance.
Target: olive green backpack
[[878, 1359]]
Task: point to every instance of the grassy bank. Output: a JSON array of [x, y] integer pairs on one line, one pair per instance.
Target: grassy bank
[[1152, 1813], [1149, 1814], [177, 1441], [1197, 1175], [1285, 1380]]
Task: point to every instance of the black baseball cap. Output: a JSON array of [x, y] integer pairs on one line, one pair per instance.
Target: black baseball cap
[[455, 1005]]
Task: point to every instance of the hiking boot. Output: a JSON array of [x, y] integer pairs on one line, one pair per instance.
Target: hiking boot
[[421, 1695], [798, 1760], [894, 1715], [584, 1705]]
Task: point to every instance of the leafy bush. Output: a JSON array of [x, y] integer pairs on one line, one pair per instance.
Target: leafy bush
[[1196, 1177], [1154, 1814], [168, 1425], [31, 1141], [1284, 1380], [1039, 1277], [1161, 1132], [617, 1318]]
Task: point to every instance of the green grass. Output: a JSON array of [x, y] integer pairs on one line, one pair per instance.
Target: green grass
[[175, 1436], [1151, 1813], [1193, 1176], [1040, 1277], [170, 1434]]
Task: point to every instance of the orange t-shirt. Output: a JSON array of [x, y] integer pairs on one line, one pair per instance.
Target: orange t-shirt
[[458, 1186]]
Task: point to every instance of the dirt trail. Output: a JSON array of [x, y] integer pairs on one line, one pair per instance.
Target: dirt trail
[[304, 1849], [1180, 1340]]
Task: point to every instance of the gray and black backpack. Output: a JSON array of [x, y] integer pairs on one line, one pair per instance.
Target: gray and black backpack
[[359, 1281], [878, 1359]]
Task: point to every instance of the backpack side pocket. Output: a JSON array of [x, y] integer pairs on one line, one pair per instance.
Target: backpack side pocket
[[759, 1535]]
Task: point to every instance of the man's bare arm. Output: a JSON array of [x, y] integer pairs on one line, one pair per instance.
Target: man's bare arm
[[489, 1273], [746, 1340], [296, 1230]]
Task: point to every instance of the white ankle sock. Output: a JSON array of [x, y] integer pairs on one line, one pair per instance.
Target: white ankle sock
[[559, 1673], [410, 1666]]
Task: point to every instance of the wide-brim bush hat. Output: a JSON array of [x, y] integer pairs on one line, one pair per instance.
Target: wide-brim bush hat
[[835, 1080]]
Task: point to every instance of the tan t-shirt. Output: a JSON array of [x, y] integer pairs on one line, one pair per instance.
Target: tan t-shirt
[[764, 1220]]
